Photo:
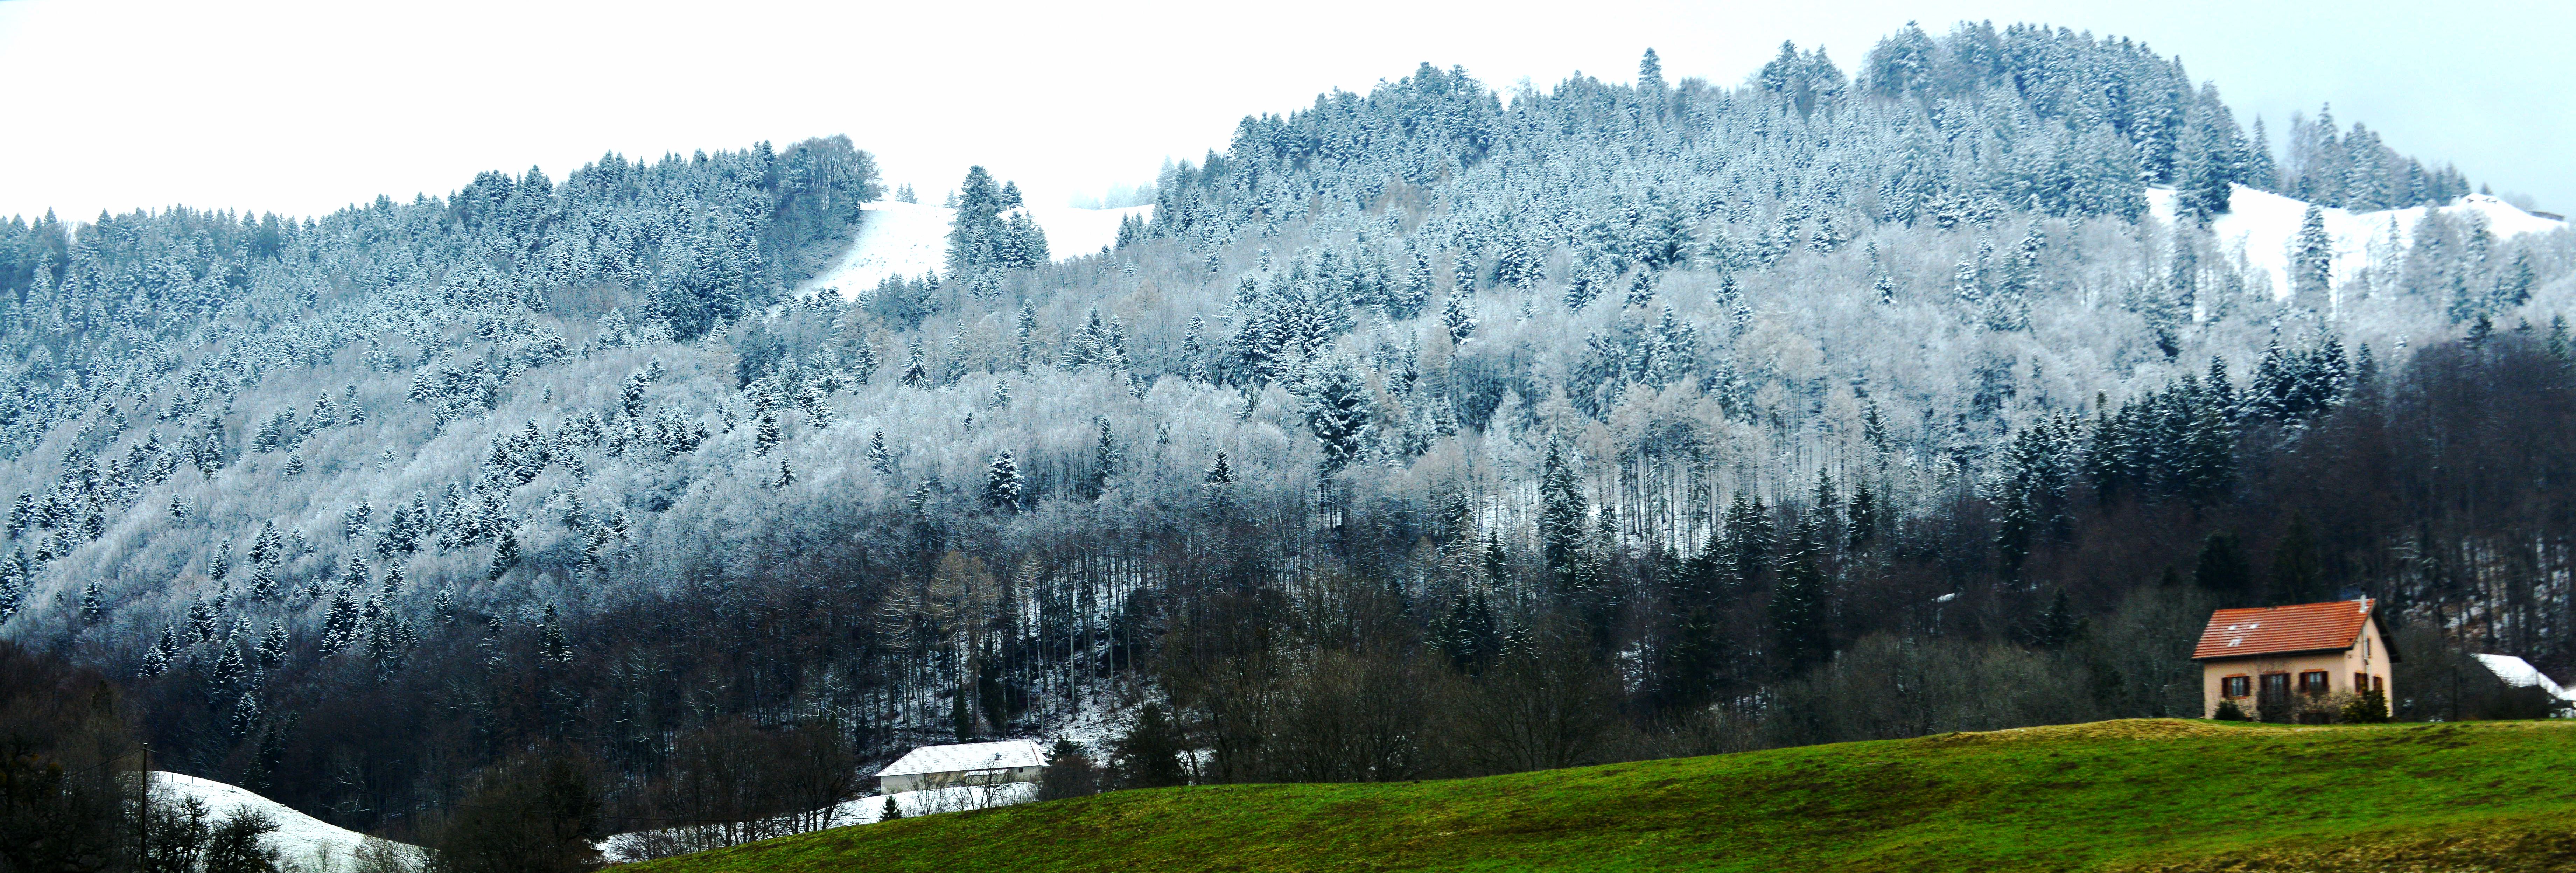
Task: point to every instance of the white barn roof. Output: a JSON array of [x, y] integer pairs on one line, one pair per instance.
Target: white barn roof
[[2520, 674], [967, 756]]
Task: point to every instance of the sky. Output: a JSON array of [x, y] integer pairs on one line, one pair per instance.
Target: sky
[[302, 107]]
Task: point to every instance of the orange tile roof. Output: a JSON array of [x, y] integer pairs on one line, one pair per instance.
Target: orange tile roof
[[2277, 630]]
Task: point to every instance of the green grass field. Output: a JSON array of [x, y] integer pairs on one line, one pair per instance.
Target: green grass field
[[2161, 795]]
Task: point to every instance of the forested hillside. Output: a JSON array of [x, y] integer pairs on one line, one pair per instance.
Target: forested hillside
[[1430, 431]]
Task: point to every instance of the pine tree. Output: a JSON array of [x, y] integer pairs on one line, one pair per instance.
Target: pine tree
[[1459, 314], [916, 372], [786, 475], [1798, 607], [247, 716], [273, 646], [1218, 472], [1562, 511], [156, 660], [1104, 456], [766, 437], [2298, 575], [2312, 260], [1002, 485], [92, 611], [1149, 756], [1337, 411], [553, 647], [880, 458], [1641, 291], [2260, 172], [505, 553], [2514, 283], [2222, 569]]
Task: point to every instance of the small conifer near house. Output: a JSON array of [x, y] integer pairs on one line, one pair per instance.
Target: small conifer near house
[[892, 811], [2368, 707]]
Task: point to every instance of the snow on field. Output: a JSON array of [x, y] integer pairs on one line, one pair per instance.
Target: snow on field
[[2261, 226], [308, 843], [909, 239], [868, 810]]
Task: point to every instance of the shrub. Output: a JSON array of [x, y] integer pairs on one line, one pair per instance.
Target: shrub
[[2229, 711], [2368, 707], [1069, 773]]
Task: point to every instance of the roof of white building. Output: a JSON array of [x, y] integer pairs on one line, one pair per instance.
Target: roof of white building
[[968, 756], [2520, 674]]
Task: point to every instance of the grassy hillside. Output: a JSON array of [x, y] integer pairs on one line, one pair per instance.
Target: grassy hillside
[[2160, 795]]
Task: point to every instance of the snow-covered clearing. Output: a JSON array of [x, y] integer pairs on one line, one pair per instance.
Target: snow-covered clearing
[[909, 239], [308, 843], [868, 810], [2260, 225]]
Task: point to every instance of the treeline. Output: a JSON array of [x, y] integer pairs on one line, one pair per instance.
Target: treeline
[[1809, 619]]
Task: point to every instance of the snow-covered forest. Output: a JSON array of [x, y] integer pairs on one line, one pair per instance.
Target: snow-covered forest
[[1427, 431]]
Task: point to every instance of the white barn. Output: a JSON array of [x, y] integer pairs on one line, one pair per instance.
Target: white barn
[[964, 764]]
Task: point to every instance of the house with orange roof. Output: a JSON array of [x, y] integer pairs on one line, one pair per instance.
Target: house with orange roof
[[2268, 658]]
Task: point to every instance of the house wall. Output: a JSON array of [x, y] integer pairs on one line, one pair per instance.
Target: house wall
[[925, 781], [2370, 657]]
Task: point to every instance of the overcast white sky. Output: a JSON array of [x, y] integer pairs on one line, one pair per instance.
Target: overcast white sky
[[301, 107]]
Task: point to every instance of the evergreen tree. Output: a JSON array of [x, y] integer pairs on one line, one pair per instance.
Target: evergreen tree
[[1002, 485], [1562, 512], [505, 553], [2223, 569], [1149, 756], [1104, 456], [2312, 260], [880, 458], [2298, 575], [1798, 607], [766, 437], [1460, 316], [1337, 411]]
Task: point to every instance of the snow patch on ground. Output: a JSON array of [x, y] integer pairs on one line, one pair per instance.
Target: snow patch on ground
[[869, 810], [2260, 225], [307, 842], [910, 239]]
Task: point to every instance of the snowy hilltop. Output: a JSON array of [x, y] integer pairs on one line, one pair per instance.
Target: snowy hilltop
[[2262, 229], [910, 240]]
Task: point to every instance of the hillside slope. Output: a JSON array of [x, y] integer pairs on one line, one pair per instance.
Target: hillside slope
[[2141, 794], [299, 838]]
